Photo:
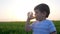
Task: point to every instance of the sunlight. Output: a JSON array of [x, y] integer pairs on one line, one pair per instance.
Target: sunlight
[[16, 10]]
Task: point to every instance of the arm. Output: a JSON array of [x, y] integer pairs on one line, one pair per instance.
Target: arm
[[27, 27], [54, 32]]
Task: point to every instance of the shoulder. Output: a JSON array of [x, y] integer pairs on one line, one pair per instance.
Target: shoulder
[[49, 22]]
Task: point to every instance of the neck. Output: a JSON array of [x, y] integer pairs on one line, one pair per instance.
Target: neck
[[42, 19]]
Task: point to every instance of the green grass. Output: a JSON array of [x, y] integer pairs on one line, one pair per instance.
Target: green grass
[[57, 24], [18, 27]]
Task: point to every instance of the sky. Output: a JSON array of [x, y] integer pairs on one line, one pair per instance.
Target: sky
[[16, 10]]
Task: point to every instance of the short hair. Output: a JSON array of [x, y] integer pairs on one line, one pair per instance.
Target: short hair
[[43, 8]]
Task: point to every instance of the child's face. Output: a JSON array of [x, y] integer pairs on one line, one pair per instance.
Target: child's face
[[39, 15]]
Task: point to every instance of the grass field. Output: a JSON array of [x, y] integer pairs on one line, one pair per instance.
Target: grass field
[[18, 27]]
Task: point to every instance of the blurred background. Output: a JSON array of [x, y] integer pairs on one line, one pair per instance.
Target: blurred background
[[16, 10], [13, 14]]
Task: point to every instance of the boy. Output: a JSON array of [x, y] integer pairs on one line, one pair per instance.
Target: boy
[[41, 25]]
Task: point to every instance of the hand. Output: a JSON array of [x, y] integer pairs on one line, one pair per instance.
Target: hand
[[30, 15]]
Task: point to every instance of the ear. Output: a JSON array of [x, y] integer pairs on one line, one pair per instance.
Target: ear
[[44, 13]]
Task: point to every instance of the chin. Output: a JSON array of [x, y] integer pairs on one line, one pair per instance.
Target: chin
[[38, 19]]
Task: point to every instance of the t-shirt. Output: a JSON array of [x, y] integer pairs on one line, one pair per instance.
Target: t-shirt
[[43, 27]]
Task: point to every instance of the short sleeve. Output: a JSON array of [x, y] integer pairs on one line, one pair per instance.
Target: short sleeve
[[52, 27]]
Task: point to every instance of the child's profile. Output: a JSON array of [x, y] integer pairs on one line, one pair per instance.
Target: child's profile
[[41, 25]]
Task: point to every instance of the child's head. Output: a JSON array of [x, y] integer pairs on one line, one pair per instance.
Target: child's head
[[42, 11]]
